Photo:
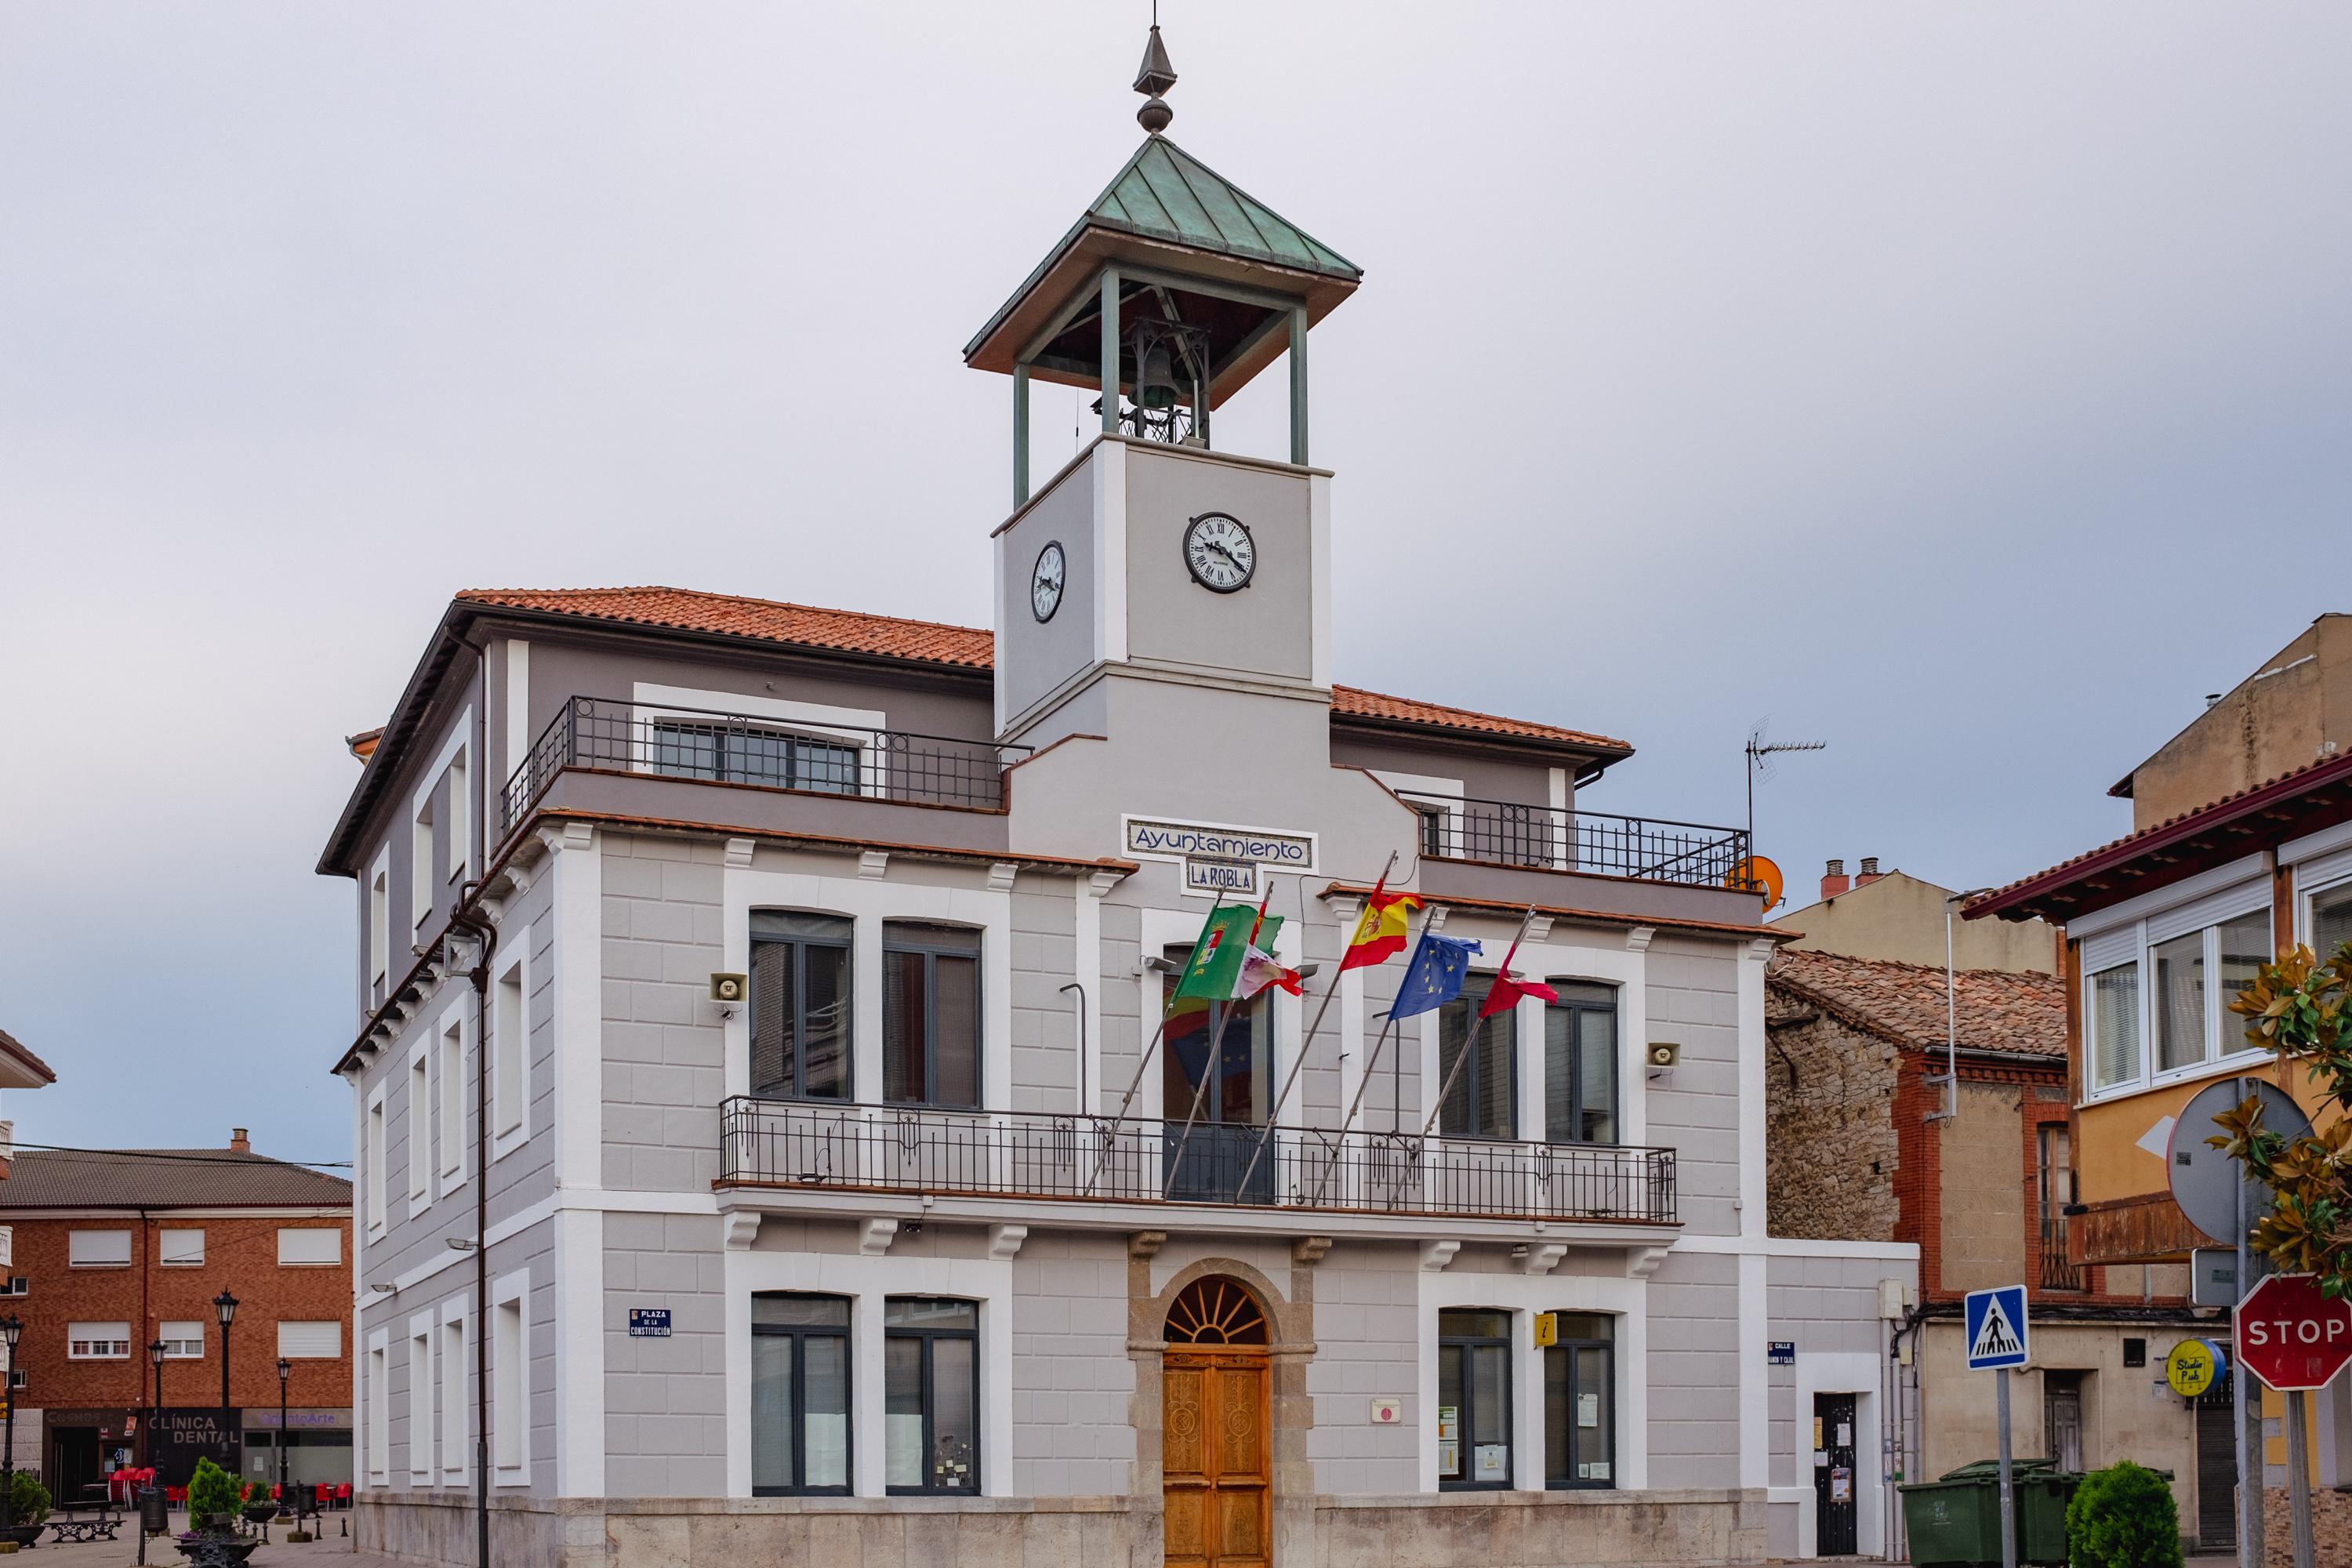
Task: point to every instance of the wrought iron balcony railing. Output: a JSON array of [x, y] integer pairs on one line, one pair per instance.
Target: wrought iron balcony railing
[[732, 748], [1017, 1154], [1597, 842], [2057, 1272]]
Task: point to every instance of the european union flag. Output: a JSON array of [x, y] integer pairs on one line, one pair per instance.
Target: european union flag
[[1434, 978]]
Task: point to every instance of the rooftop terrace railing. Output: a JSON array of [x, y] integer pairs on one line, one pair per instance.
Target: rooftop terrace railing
[[1597, 843], [718, 747], [1035, 1155]]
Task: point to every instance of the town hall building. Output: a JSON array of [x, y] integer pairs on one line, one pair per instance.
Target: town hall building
[[852, 1194]]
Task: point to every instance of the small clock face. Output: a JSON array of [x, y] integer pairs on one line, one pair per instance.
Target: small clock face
[[1219, 552], [1045, 581]]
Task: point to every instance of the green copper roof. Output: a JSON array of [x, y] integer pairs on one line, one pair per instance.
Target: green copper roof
[[1166, 193]]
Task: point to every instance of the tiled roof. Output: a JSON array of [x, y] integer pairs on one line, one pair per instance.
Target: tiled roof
[[12, 1047], [164, 1178], [1999, 1010], [2311, 775], [931, 642]]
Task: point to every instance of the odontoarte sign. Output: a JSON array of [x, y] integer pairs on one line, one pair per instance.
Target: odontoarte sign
[[1219, 858]]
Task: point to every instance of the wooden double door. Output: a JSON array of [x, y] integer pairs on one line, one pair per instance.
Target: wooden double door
[[1217, 1446]]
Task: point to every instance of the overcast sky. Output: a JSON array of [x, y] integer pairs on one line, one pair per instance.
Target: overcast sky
[[1965, 385]]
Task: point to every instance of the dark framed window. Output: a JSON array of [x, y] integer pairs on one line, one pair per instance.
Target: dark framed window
[[738, 754], [1238, 1070], [800, 1395], [1483, 1102], [931, 1396], [930, 1014], [800, 1006], [1581, 1401], [1474, 1400], [1581, 1064], [1436, 837]]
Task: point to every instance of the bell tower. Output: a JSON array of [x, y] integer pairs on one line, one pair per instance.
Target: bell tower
[[1153, 560]]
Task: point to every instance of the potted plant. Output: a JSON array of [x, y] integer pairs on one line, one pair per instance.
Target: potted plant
[[214, 1498], [29, 1503], [258, 1504]]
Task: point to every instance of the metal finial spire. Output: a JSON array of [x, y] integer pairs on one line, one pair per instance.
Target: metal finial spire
[[1155, 77]]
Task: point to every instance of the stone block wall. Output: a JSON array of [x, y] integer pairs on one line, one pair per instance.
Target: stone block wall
[[1831, 1154]]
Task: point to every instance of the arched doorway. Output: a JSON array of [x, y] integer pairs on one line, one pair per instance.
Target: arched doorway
[[1216, 1442]]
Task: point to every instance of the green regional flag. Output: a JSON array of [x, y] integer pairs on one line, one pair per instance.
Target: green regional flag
[[1215, 966]]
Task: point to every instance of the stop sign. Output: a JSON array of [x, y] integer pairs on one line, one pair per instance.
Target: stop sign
[[2291, 1336]]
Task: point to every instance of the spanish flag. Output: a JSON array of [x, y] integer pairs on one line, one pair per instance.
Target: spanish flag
[[1381, 933]]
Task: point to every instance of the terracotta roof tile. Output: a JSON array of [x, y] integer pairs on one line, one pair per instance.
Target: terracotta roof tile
[[2000, 1010], [15, 1047], [164, 1178], [931, 642]]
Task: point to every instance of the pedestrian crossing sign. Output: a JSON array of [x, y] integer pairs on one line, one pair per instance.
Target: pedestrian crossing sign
[[1996, 1328]]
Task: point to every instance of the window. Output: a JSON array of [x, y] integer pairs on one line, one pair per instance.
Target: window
[[420, 864], [930, 1014], [376, 1157], [460, 835], [453, 1397], [510, 1093], [2114, 1026], [379, 1412], [800, 1006], [318, 1340], [1581, 1064], [2054, 1189], [180, 1248], [2240, 947], [738, 754], [1474, 1400], [307, 1245], [800, 1395], [931, 1396], [98, 1341], [1480, 1102], [99, 1249], [379, 928], [1237, 1092], [1581, 1401], [507, 1413], [420, 1408], [453, 1104], [1435, 839], [181, 1342], [2180, 1000], [2331, 919], [420, 1133]]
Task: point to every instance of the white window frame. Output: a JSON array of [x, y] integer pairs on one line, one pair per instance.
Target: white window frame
[[2204, 916], [420, 1130], [2313, 880], [461, 811], [510, 1058], [421, 1335], [379, 1140], [164, 1333], [377, 1397], [333, 1232], [290, 1353], [166, 1244], [73, 1251], [450, 1040], [96, 1333], [379, 928], [421, 886], [852, 727], [511, 1380], [454, 1332]]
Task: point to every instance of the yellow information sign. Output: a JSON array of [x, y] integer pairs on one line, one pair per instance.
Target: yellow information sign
[[2192, 1367], [1547, 1329]]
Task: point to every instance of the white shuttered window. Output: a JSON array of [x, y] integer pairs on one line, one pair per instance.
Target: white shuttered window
[[309, 1244], [300, 1341], [98, 1248]]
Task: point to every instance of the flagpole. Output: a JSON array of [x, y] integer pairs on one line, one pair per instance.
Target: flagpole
[[1143, 1065], [1470, 1039], [1372, 1061], [1306, 1042]]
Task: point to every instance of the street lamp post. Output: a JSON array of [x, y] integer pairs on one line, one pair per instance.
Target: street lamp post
[[226, 1305], [11, 1329], [285, 1492], [155, 1412]]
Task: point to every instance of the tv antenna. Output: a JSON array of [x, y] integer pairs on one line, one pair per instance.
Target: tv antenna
[[1760, 753]]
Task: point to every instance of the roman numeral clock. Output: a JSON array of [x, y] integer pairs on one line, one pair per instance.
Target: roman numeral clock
[[1219, 552]]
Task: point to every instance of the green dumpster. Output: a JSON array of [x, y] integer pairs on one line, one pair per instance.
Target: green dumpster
[[1955, 1521]]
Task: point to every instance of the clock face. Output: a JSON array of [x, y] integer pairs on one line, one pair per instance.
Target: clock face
[[1219, 552], [1045, 581]]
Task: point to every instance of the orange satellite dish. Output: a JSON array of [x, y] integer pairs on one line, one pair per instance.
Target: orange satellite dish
[[1757, 874]]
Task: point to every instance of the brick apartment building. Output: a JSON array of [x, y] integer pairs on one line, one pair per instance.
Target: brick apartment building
[[116, 1251]]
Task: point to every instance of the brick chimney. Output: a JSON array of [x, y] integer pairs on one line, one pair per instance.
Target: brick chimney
[[238, 1143], [1833, 879], [1869, 872]]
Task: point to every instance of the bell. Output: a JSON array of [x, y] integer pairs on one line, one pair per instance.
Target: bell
[[1155, 387]]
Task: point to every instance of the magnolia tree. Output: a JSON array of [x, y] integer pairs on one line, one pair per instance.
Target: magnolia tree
[[2301, 1010]]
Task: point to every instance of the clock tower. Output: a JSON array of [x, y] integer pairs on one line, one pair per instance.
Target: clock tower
[[1157, 580]]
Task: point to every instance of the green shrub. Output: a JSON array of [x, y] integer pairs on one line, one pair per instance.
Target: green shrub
[[28, 1500], [2124, 1517], [212, 1493]]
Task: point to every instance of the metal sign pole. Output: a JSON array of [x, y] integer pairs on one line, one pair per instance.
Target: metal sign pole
[[2250, 1404], [2008, 1497], [2298, 1476]]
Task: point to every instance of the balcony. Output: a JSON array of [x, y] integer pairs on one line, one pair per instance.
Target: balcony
[[1589, 842], [714, 748], [1097, 1160]]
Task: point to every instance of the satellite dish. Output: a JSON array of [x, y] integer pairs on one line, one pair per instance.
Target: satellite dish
[[1756, 873], [2205, 1180]]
